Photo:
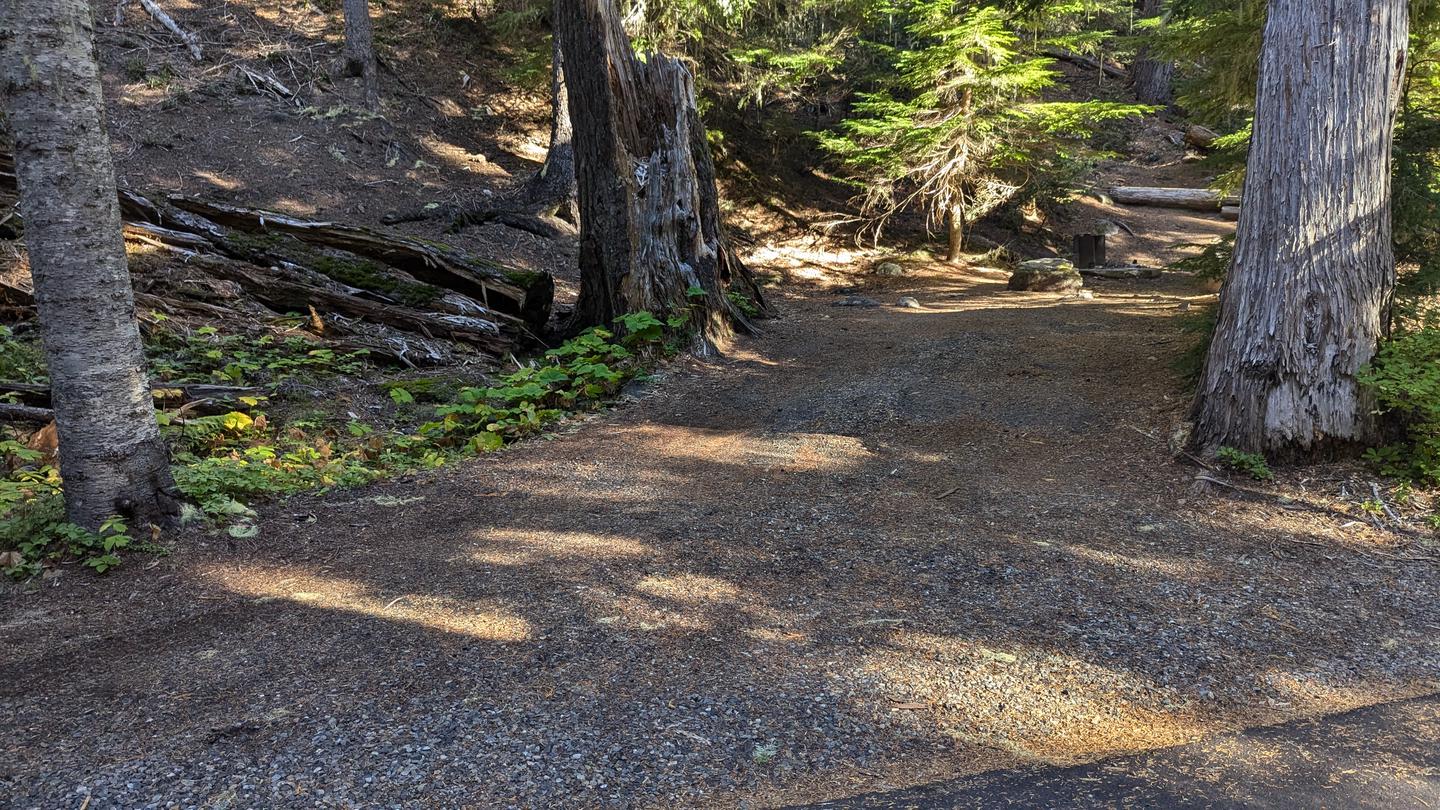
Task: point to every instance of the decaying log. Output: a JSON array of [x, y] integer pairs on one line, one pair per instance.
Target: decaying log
[[1230, 212], [10, 412], [187, 391], [1121, 272], [526, 296], [1073, 58], [1198, 199]]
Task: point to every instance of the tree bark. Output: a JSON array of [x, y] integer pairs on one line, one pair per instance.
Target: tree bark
[[111, 453], [360, 50], [650, 229], [552, 189], [1305, 303], [1199, 199], [955, 234], [1153, 78]]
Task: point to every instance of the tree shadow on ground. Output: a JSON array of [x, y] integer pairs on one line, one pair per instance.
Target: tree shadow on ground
[[925, 545]]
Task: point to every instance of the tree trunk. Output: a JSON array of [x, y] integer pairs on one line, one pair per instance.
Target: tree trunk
[[955, 233], [650, 229], [360, 50], [1153, 78], [552, 189], [1306, 301], [111, 454]]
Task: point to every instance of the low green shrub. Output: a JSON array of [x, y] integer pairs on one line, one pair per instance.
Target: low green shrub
[[1405, 380], [1251, 464]]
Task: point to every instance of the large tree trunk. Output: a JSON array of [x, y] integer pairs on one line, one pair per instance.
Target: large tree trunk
[[360, 50], [650, 229], [111, 454], [1153, 78], [1306, 301]]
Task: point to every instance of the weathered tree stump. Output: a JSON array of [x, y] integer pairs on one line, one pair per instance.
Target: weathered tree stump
[[650, 229]]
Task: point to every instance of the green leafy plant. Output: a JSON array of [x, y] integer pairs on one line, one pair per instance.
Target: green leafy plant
[[1251, 464], [1405, 380], [20, 360]]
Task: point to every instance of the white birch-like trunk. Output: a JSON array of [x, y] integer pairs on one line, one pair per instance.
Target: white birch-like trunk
[[111, 454]]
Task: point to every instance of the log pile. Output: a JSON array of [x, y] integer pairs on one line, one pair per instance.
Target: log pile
[[408, 300]]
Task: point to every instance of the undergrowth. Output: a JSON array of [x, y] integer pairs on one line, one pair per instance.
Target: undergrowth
[[1405, 379], [225, 461]]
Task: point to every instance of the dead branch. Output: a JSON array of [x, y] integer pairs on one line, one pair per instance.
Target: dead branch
[[191, 41]]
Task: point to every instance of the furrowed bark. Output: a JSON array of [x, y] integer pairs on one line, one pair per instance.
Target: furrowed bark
[[1306, 302], [649, 214], [360, 50], [111, 455]]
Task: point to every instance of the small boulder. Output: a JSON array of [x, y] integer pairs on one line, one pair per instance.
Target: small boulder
[[856, 301], [889, 269], [1046, 275], [908, 303]]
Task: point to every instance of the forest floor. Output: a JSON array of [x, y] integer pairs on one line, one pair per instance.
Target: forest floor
[[872, 548], [876, 547]]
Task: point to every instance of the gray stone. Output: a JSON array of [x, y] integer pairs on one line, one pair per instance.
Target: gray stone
[[856, 301], [1046, 275], [908, 303], [889, 269]]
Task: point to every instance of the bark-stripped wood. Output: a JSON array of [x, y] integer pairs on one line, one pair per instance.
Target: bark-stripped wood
[[1198, 199], [1306, 301], [191, 41], [649, 211], [111, 453]]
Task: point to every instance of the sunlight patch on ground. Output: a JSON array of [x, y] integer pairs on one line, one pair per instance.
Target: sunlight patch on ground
[[1187, 570], [501, 546], [689, 588], [1037, 704], [474, 619], [785, 452]]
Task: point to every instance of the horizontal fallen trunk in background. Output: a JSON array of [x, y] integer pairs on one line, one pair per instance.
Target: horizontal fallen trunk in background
[[1073, 58], [10, 412], [1122, 271], [186, 392], [525, 295], [1198, 199], [1230, 212]]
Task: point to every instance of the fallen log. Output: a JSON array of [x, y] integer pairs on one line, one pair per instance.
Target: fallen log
[[10, 412], [181, 392], [526, 296], [191, 41], [1120, 272], [1230, 212], [1073, 58], [1198, 199]]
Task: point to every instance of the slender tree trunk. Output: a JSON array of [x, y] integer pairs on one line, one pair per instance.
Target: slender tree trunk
[[1306, 301], [1153, 78], [552, 189], [955, 230], [360, 50], [650, 229], [111, 455]]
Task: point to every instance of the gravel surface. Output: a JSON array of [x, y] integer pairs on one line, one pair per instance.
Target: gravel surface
[[877, 547]]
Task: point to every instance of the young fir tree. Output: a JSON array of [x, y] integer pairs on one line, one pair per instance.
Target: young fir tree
[[960, 126]]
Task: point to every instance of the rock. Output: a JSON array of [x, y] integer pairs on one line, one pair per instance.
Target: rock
[[1047, 264], [908, 303], [1046, 275], [889, 269], [856, 301], [1085, 295], [1122, 271]]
